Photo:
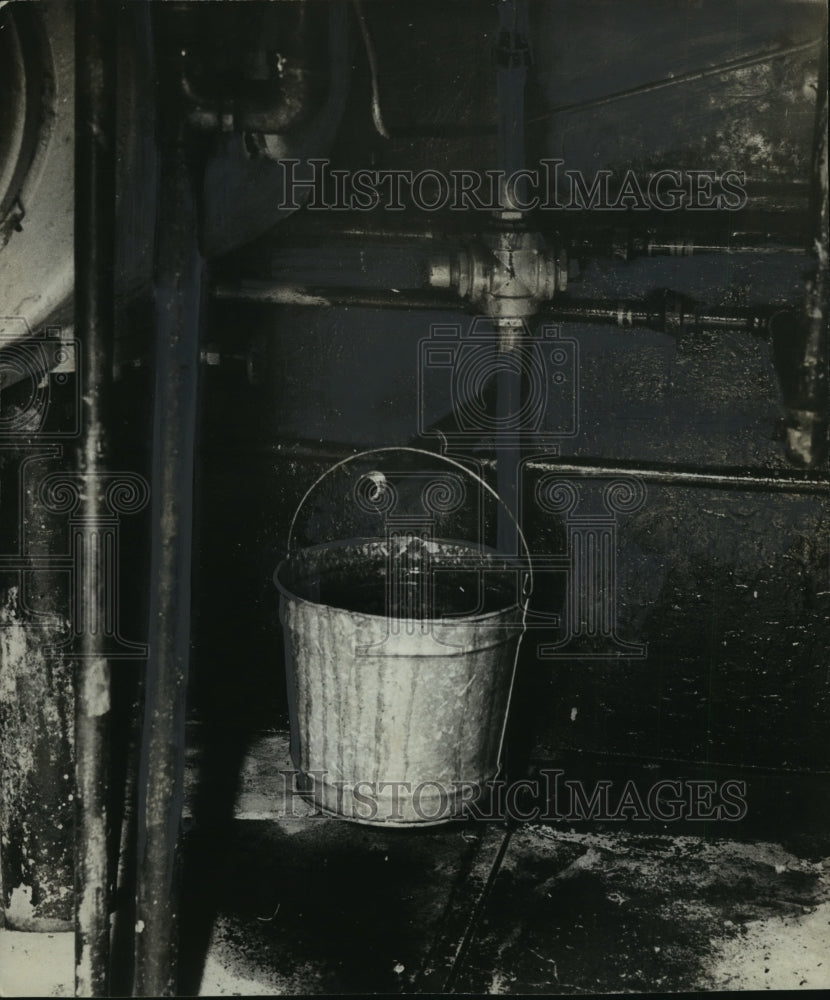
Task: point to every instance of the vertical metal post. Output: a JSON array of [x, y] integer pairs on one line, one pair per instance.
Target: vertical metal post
[[161, 765], [513, 58], [800, 343], [95, 164], [513, 55], [814, 364]]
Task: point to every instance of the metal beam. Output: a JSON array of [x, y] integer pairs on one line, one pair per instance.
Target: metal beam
[[161, 765], [95, 166]]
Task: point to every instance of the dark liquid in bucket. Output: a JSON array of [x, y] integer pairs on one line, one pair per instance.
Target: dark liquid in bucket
[[412, 595]]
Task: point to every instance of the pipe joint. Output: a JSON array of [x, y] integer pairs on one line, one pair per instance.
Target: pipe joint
[[506, 274]]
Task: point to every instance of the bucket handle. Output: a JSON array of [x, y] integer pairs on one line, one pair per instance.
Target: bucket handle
[[526, 590]]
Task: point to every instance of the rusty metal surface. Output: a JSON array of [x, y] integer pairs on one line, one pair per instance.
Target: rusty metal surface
[[36, 808], [36, 672], [37, 725]]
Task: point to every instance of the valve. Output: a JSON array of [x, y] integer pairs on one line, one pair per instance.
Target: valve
[[506, 274]]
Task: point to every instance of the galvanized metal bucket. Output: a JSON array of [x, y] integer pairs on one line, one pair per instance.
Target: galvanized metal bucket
[[400, 656]]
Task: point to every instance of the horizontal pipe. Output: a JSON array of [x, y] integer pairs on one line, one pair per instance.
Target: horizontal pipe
[[613, 243], [626, 246], [737, 478], [665, 312], [668, 247], [679, 475], [281, 294], [314, 232]]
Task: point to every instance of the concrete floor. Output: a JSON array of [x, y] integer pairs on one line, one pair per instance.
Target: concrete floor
[[559, 913], [330, 908], [281, 904]]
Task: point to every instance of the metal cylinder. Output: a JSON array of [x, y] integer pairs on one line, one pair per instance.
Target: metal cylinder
[[397, 719]]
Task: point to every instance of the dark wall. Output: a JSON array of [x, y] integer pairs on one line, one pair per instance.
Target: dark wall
[[727, 589]]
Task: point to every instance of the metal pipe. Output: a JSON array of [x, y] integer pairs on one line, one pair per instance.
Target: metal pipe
[[800, 346], [281, 294], [513, 59], [626, 245], [676, 246], [813, 368], [665, 312], [161, 765], [679, 475], [273, 106], [620, 243], [322, 232], [371, 56], [95, 167], [666, 474]]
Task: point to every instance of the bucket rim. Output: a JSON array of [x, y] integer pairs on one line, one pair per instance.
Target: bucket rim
[[484, 550]]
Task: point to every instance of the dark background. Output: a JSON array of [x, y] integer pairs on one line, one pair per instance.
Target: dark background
[[729, 588]]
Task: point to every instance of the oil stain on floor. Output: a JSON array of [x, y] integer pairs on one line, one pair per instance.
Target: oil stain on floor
[[619, 912]]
